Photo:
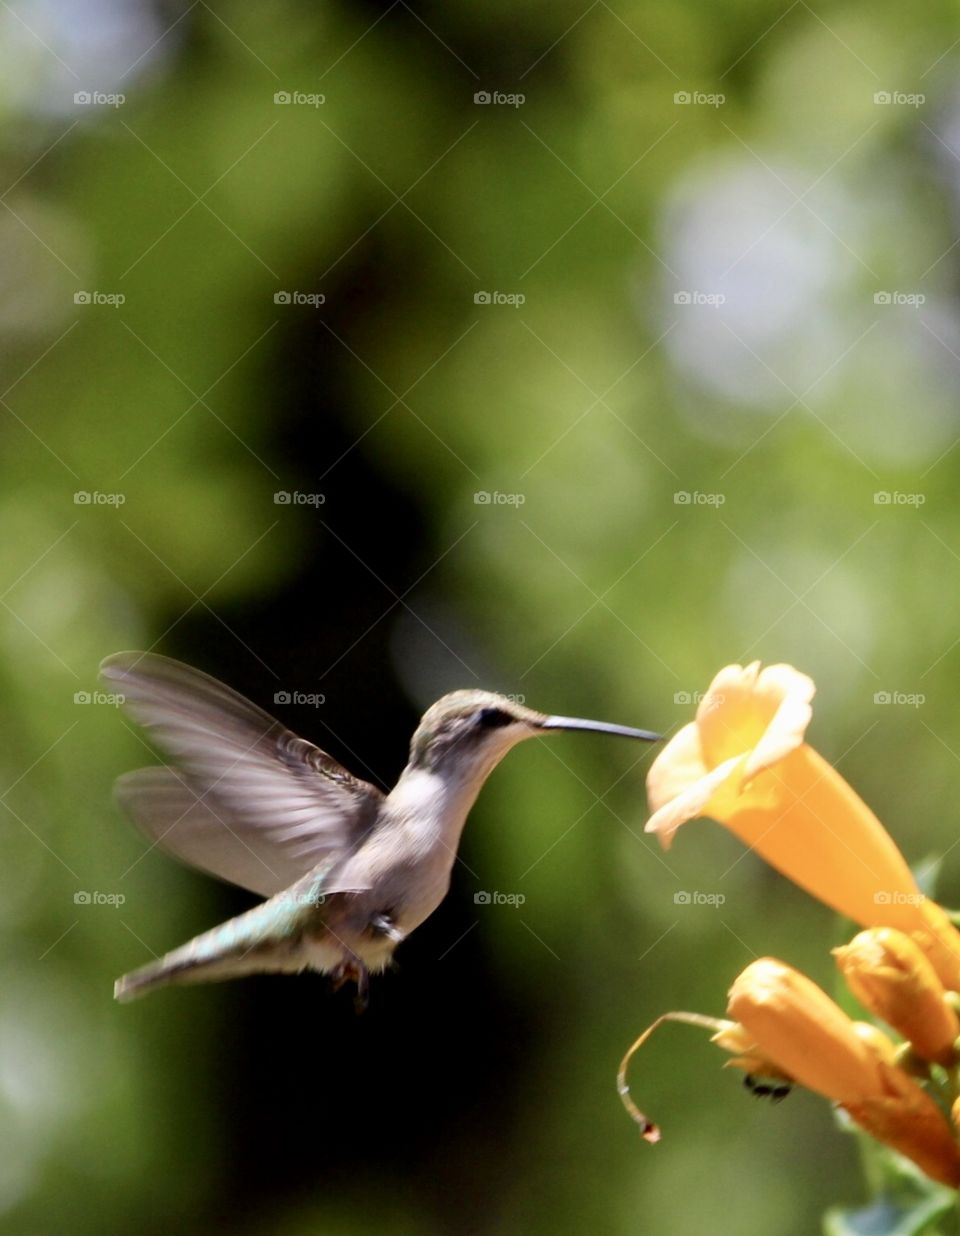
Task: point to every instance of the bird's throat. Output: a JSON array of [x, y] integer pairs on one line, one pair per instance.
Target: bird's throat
[[432, 807]]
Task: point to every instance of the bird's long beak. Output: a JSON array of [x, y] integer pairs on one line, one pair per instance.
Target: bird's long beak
[[598, 727]]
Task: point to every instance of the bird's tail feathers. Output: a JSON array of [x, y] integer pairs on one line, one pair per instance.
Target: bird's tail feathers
[[266, 938]]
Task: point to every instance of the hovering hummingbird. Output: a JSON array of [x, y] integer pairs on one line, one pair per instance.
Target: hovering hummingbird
[[348, 871]]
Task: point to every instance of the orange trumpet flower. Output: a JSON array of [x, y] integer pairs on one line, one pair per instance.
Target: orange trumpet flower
[[744, 762]]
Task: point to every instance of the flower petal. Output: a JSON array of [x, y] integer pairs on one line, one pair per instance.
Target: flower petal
[[701, 797], [746, 709], [678, 766]]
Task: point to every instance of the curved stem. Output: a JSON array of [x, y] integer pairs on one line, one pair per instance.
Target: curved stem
[[648, 1130]]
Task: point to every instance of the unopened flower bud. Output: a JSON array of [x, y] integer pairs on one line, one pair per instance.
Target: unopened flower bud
[[893, 978]]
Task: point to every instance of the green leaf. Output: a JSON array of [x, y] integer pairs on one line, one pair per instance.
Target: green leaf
[[935, 1216], [905, 1202]]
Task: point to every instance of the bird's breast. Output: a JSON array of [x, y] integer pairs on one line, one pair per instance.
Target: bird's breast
[[407, 860]]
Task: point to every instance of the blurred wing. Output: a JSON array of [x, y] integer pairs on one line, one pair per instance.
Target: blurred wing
[[251, 802]]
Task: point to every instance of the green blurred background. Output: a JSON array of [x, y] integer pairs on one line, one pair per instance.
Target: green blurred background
[[681, 300]]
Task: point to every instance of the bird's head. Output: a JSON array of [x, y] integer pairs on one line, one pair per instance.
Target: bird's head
[[469, 732]]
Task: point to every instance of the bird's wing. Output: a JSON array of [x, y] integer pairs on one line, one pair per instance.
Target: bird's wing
[[250, 802]]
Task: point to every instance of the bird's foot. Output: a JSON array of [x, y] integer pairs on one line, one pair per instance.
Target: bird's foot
[[352, 969], [362, 998]]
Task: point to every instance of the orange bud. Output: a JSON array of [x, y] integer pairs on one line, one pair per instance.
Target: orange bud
[[890, 975], [799, 1028], [796, 1025]]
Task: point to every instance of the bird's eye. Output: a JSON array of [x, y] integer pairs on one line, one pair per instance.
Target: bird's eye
[[490, 718]]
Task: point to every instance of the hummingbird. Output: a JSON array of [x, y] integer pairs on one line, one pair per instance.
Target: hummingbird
[[347, 871]]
